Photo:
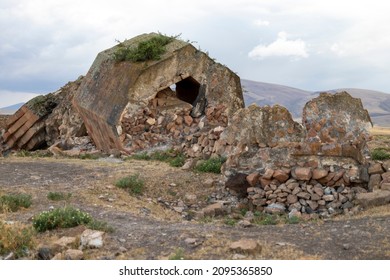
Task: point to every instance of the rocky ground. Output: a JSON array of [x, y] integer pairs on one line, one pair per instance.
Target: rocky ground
[[163, 221]]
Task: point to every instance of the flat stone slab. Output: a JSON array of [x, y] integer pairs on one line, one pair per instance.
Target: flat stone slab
[[376, 198]]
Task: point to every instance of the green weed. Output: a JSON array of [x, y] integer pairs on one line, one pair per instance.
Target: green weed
[[151, 49], [66, 217], [380, 154], [132, 183], [212, 165], [57, 196]]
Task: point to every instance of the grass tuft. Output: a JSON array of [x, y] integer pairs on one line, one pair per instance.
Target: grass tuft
[[13, 202], [174, 158], [57, 196], [132, 183], [16, 238], [380, 154], [212, 165], [151, 49]]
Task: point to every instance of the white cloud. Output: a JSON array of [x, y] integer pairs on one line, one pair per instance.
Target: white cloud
[[259, 22], [281, 47]]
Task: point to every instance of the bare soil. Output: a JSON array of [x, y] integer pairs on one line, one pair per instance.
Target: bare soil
[[144, 228]]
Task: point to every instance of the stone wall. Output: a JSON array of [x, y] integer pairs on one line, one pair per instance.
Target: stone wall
[[318, 167]]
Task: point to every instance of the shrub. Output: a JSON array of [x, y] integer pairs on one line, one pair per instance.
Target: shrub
[[57, 196], [13, 202], [151, 49], [16, 238], [66, 217], [380, 154], [212, 165], [132, 183]]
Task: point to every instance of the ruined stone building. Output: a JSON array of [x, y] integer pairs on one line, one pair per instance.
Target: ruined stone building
[[135, 105], [187, 101]]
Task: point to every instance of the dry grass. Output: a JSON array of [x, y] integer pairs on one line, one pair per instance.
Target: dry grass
[[379, 211], [16, 238], [379, 130]]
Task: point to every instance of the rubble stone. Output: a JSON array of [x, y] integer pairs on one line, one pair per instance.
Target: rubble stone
[[246, 246]]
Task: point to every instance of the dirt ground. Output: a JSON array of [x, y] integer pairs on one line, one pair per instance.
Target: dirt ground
[[144, 228]]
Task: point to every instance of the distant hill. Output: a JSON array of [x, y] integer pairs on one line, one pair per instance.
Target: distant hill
[[377, 103], [10, 110]]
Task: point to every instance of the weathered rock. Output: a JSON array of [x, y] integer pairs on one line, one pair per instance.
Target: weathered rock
[[374, 182], [91, 239], [45, 253], [291, 199], [191, 199], [214, 210], [281, 176], [304, 195], [302, 173], [385, 186], [386, 177], [328, 197], [336, 125], [275, 208], [376, 198], [268, 174], [294, 213], [246, 246], [319, 173], [253, 179], [375, 168], [72, 254], [65, 241]]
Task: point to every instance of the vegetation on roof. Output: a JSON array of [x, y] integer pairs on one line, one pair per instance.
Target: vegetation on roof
[[150, 49]]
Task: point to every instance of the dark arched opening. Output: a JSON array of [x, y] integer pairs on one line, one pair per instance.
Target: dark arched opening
[[187, 90]]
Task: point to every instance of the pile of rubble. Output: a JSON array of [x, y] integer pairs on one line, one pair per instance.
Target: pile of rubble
[[170, 121]]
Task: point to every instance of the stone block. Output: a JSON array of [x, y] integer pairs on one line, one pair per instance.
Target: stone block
[[375, 198], [302, 173]]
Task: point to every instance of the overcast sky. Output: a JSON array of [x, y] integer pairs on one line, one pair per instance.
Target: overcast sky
[[312, 45]]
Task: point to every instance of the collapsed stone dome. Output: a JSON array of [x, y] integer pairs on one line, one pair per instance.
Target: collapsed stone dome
[[112, 89]]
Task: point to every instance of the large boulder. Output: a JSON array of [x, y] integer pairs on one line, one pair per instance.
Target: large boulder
[[337, 125]]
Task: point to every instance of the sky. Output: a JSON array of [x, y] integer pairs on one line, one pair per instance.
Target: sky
[[311, 45]]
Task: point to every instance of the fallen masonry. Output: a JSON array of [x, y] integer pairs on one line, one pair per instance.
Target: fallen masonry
[[186, 101]]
